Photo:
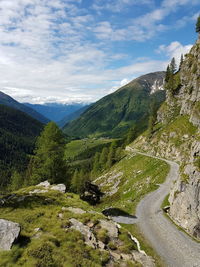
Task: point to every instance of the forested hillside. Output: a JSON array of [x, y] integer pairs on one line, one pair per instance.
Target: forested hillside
[[10, 102], [17, 138]]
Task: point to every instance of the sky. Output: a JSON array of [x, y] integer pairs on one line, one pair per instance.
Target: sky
[[81, 50]]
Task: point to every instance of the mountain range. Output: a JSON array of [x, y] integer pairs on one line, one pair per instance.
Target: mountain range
[[56, 111]]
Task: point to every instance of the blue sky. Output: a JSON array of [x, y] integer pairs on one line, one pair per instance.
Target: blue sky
[[80, 50]]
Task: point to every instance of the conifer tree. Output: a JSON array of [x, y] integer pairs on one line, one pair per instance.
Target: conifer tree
[[119, 153], [48, 162], [103, 157], [168, 74], [173, 66], [75, 181], [96, 164], [181, 61], [152, 117], [198, 25], [111, 154], [132, 133], [16, 181]]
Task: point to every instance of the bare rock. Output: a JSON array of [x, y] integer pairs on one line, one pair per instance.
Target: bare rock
[[90, 239], [9, 232], [111, 227], [75, 210], [143, 259], [44, 184], [59, 187], [38, 191]]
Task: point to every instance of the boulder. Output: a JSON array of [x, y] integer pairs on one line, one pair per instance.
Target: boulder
[[111, 227], [9, 232], [91, 194], [44, 184], [59, 187], [75, 210], [89, 237]]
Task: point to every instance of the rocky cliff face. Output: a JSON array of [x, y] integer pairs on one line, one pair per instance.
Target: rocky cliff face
[[177, 137], [185, 196], [189, 94]]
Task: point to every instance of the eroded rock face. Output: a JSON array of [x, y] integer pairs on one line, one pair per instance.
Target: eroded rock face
[[9, 232], [185, 195]]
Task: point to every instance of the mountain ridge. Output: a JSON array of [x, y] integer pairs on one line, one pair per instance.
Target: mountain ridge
[[11, 102], [115, 113], [55, 111]]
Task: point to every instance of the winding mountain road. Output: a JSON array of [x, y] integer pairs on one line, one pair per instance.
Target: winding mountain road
[[175, 247]]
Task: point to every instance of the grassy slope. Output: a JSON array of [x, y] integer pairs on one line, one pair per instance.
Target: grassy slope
[[60, 247], [141, 175]]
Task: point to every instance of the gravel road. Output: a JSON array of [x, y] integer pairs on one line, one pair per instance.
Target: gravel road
[[176, 248]]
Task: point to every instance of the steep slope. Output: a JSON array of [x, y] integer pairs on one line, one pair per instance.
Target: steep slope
[[55, 111], [10, 102], [17, 135], [177, 136], [115, 113], [72, 116]]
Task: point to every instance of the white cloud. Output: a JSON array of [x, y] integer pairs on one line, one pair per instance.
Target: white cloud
[[174, 49], [124, 82], [118, 5], [46, 55]]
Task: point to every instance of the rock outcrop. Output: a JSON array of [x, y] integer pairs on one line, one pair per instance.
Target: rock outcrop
[[47, 186], [9, 232]]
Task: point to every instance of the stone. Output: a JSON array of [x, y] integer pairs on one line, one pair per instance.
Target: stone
[[90, 224], [59, 187], [44, 184], [38, 191], [89, 237], [76, 210], [9, 232], [111, 227], [101, 245], [37, 229], [91, 194], [60, 216], [166, 209], [115, 255]]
